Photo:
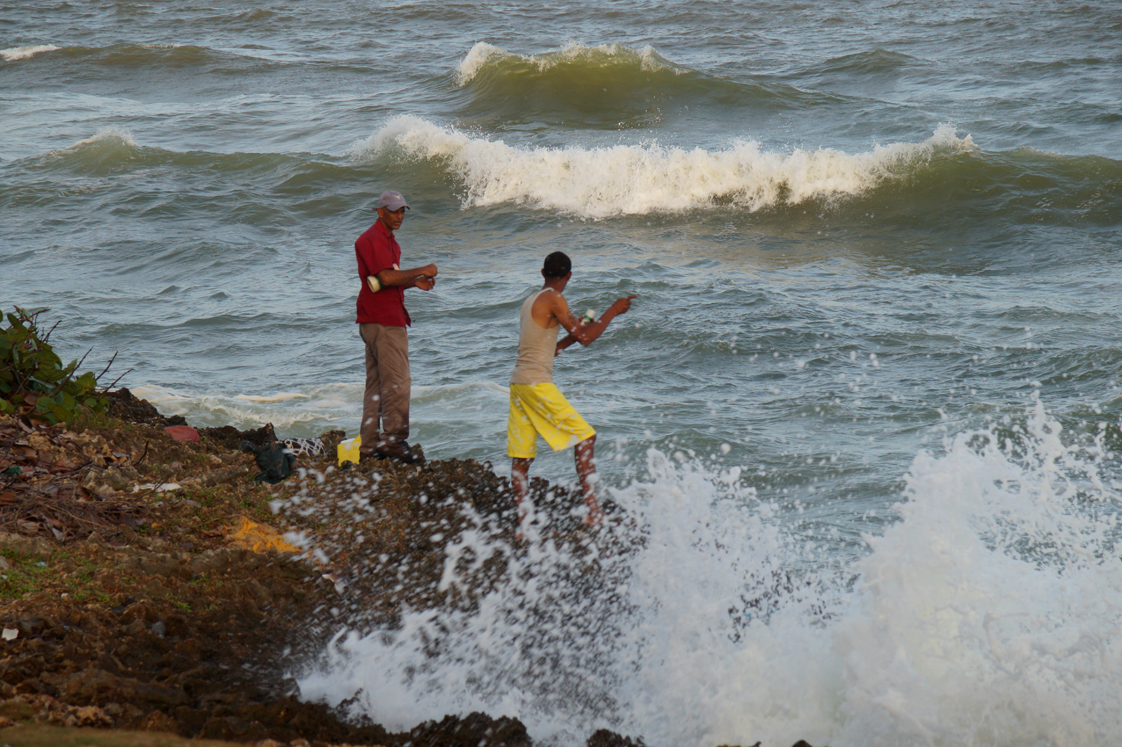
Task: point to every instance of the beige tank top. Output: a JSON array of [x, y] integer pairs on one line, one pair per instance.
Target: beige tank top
[[536, 347]]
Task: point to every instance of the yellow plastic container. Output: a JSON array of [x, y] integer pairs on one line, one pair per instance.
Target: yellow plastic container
[[348, 450]]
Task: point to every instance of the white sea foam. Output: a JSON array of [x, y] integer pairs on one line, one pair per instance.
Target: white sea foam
[[293, 414], [23, 53], [309, 411], [638, 179], [483, 55], [988, 614], [263, 398]]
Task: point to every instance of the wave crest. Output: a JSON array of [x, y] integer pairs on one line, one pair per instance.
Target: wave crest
[[23, 53], [484, 58], [611, 86], [111, 137], [109, 148], [637, 179]]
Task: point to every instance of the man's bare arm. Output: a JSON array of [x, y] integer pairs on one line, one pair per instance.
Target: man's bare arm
[[419, 277], [563, 343], [585, 334]]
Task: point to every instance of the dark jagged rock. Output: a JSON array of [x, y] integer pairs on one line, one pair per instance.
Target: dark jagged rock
[[229, 437], [126, 406], [473, 730], [605, 738]]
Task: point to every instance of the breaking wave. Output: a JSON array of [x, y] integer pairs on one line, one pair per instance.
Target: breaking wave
[[987, 614], [485, 59], [610, 86], [23, 53], [638, 179]]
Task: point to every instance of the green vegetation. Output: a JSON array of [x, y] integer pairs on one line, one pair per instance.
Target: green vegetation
[[62, 572], [84, 586], [100, 420], [33, 376], [22, 576]]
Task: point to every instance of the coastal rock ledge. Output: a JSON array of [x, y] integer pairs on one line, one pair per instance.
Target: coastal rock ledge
[[130, 604]]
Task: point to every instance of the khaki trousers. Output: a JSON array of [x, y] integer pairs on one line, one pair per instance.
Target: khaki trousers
[[385, 403]]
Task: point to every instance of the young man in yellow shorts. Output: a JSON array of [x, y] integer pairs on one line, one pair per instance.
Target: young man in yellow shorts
[[537, 407]]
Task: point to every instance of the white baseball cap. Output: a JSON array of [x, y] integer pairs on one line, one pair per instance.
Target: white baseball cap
[[392, 201]]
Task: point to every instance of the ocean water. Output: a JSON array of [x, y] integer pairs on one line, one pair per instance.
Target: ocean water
[[876, 248]]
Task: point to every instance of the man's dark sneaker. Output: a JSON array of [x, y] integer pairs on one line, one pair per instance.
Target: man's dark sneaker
[[399, 451]]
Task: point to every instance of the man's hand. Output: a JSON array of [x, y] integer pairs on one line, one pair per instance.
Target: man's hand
[[426, 277], [621, 305]]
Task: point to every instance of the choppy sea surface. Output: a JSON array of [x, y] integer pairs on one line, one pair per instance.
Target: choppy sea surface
[[876, 247]]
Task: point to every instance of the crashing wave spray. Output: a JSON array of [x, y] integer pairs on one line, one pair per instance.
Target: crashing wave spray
[[988, 614], [574, 631], [638, 179]]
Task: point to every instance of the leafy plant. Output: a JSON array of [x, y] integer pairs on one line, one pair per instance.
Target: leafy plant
[[32, 376]]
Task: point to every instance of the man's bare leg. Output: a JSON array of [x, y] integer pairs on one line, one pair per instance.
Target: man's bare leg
[[520, 482], [586, 471]]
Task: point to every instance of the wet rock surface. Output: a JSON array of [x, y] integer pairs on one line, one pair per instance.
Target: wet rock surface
[[128, 603], [126, 406]]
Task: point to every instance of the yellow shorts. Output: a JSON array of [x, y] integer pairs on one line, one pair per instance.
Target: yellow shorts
[[542, 409]]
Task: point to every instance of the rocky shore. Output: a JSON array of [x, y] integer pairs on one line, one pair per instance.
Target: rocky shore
[[145, 584]]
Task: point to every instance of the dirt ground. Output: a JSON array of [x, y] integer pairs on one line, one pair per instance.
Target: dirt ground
[[145, 586]]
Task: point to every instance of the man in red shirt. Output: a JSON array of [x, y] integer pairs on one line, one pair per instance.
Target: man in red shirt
[[382, 320]]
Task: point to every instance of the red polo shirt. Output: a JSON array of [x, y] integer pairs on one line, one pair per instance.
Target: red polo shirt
[[378, 250]]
